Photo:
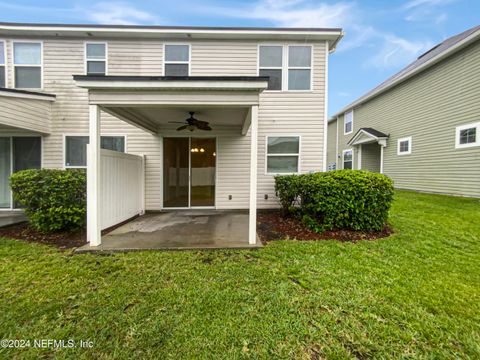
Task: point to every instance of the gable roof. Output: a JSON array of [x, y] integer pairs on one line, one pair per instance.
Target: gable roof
[[423, 62], [369, 135]]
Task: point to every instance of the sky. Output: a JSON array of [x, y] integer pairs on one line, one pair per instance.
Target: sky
[[381, 37]]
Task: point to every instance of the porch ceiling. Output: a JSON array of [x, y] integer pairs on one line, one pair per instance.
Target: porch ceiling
[[153, 103], [156, 119]]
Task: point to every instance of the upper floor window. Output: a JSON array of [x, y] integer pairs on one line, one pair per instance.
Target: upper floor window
[[177, 60], [96, 58], [27, 63], [271, 65], [347, 156], [348, 122], [404, 146], [2, 64], [299, 67], [283, 154], [294, 74], [467, 135]]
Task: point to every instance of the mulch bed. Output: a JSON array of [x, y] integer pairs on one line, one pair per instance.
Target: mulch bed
[[272, 225], [62, 240]]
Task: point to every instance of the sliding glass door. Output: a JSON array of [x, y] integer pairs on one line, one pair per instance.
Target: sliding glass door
[[175, 172], [5, 171], [189, 172], [17, 153]]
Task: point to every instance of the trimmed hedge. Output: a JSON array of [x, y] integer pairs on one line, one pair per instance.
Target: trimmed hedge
[[54, 200], [341, 199]]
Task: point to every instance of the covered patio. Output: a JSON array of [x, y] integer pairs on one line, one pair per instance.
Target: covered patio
[[179, 230], [152, 104]]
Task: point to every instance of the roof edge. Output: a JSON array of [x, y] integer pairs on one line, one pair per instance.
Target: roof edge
[[27, 93], [161, 27], [455, 48]]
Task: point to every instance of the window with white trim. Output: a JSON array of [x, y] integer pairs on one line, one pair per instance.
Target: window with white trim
[[348, 122], [76, 148], [299, 67], [347, 159], [467, 135], [271, 65], [283, 154], [27, 64], [289, 67], [96, 58], [404, 146], [177, 60], [3, 61]]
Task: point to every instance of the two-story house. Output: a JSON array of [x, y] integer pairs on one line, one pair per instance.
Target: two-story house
[[214, 113], [421, 127]]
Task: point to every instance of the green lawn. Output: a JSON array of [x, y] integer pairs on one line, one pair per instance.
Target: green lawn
[[414, 294]]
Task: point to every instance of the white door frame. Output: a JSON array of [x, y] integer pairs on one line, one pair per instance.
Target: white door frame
[[190, 172]]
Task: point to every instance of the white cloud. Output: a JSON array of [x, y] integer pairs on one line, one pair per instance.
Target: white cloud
[[417, 3], [118, 13], [426, 10], [396, 51], [291, 13]]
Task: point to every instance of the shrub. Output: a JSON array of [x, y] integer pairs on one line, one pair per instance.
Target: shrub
[[54, 200], [341, 199]]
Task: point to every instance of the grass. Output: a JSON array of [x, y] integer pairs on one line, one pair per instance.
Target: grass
[[415, 294]]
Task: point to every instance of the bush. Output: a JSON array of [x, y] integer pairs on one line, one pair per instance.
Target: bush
[[54, 200], [341, 199]]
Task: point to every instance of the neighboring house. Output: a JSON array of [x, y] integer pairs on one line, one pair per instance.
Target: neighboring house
[[421, 127], [262, 91]]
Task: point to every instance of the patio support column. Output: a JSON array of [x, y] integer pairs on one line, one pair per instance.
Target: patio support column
[[360, 157], [252, 222], [93, 178], [381, 158]]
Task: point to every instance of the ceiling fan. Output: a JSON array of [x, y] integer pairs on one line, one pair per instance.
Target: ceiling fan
[[192, 124]]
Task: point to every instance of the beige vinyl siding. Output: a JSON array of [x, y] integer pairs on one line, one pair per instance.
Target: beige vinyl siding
[[224, 58], [29, 114], [62, 59], [286, 113], [142, 58], [332, 143], [428, 107], [293, 113]]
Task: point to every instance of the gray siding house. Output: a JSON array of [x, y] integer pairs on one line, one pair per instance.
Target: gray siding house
[[203, 117], [421, 127]]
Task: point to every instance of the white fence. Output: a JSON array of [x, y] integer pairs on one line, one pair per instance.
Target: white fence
[[122, 187]]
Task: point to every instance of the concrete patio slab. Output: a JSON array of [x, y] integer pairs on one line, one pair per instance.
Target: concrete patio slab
[[11, 217], [178, 230]]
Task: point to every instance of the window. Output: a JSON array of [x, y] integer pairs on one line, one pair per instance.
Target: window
[[270, 64], [299, 67], [2, 64], [332, 166], [177, 60], [294, 73], [404, 146], [27, 62], [348, 122], [467, 135], [283, 154], [96, 58], [347, 156], [76, 148]]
